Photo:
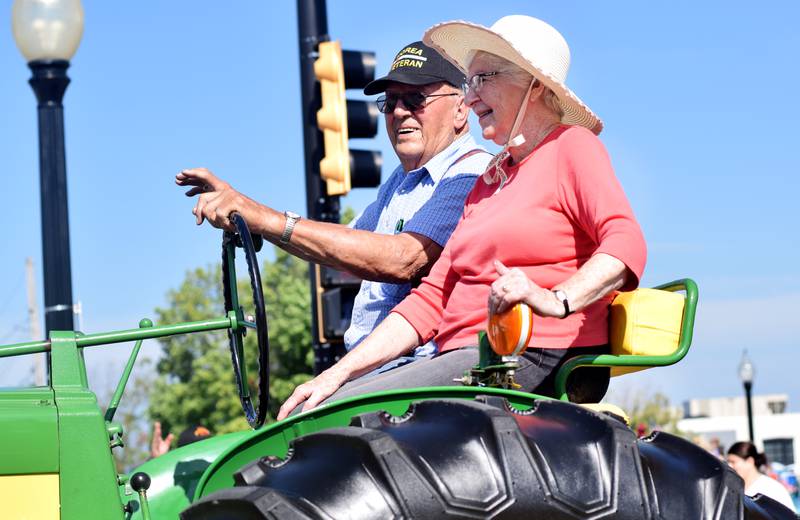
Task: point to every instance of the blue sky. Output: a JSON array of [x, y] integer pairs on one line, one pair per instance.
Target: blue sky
[[699, 102]]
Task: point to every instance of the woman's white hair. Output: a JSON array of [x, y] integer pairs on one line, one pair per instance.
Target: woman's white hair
[[520, 77]]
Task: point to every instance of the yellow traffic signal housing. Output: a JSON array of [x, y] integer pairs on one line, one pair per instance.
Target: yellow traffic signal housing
[[332, 118]]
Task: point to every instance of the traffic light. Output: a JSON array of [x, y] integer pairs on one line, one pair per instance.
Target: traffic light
[[341, 169], [331, 167], [336, 293], [332, 118], [339, 118]]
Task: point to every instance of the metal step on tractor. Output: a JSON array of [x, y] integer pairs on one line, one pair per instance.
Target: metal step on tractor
[[476, 450]]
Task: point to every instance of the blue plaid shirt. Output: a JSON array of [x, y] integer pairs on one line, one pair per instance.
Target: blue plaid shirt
[[428, 201]]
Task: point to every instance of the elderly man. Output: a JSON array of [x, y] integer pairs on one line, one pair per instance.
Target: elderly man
[[397, 238]]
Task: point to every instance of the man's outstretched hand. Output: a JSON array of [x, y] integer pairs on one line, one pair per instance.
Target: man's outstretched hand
[[217, 200]]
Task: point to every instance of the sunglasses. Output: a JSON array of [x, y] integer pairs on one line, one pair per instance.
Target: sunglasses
[[413, 101]]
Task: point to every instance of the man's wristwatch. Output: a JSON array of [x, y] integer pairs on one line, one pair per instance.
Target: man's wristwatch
[[291, 220], [562, 297]]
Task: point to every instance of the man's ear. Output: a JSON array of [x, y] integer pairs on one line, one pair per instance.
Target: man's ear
[[460, 115]]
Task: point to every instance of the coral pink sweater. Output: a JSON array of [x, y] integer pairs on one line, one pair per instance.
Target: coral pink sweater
[[561, 205]]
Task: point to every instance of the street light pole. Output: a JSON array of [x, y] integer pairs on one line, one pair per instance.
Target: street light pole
[[746, 374], [748, 387], [47, 33], [49, 83]]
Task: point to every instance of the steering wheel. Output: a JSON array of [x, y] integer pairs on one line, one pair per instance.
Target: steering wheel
[[239, 323]]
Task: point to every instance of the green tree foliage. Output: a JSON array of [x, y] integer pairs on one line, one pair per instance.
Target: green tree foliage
[[655, 412], [348, 214], [650, 410], [195, 383]]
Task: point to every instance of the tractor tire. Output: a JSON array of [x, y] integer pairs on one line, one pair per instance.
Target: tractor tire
[[480, 459]]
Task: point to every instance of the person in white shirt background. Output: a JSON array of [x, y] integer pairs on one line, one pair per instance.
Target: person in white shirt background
[[745, 459]]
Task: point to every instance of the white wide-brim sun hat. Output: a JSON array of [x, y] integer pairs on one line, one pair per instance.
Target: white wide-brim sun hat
[[529, 43]]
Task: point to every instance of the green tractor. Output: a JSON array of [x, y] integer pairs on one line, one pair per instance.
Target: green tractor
[[478, 450]]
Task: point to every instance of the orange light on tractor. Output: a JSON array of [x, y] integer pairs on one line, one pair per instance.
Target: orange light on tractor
[[510, 331]]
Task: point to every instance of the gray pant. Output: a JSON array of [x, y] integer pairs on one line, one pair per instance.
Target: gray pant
[[536, 374]]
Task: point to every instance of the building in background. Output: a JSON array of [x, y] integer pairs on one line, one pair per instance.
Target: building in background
[[777, 433]]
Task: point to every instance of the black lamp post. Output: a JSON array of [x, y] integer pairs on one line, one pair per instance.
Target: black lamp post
[[746, 373], [47, 33]]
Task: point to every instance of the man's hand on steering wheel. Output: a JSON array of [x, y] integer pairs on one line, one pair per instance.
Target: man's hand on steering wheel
[[217, 200], [313, 392]]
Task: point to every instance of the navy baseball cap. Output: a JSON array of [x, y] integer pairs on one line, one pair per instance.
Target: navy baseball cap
[[418, 64]]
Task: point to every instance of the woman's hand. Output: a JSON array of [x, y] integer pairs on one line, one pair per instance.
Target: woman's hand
[[218, 200], [513, 287], [599, 276], [313, 392], [392, 338]]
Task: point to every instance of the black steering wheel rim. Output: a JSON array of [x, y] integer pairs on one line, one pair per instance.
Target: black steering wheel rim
[[255, 414]]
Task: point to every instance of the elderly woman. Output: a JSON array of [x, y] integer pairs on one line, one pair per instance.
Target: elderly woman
[[547, 224]]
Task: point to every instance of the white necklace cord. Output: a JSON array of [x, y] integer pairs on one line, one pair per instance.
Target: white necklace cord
[[489, 176]]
